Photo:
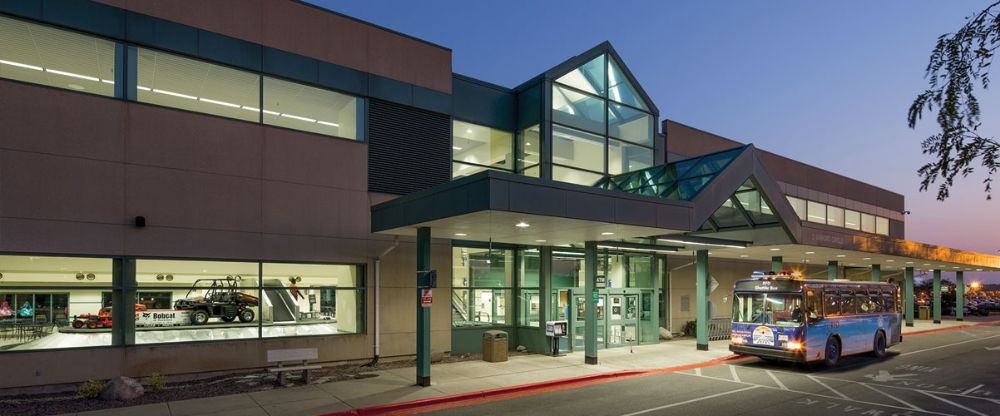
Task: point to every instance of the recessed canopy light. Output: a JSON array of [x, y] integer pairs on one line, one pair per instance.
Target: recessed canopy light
[[909, 262], [460, 234], [979, 270], [890, 260], [744, 255], [539, 241], [841, 255], [810, 252], [607, 233], [469, 131], [954, 267], [522, 224], [456, 148], [866, 258], [775, 249], [927, 264]]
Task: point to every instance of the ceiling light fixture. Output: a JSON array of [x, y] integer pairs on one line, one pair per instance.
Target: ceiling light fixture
[[667, 240], [775, 249], [841, 255], [539, 241], [460, 234], [522, 224], [456, 148], [810, 252], [607, 233]]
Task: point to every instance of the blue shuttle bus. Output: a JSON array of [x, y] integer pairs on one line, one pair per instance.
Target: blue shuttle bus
[[782, 317]]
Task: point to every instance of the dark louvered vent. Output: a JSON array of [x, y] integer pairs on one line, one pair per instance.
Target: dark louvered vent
[[408, 149]]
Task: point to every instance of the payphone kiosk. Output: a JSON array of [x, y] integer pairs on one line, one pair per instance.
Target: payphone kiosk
[[555, 330]]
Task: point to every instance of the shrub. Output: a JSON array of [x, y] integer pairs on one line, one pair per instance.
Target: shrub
[[156, 382], [91, 389], [689, 328]]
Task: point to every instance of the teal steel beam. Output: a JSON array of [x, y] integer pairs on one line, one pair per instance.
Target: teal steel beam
[[937, 296], [959, 296], [908, 296], [590, 294], [423, 314], [876, 273], [776, 264], [701, 299]]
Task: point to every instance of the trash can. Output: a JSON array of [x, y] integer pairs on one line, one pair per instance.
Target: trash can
[[924, 313], [494, 346]]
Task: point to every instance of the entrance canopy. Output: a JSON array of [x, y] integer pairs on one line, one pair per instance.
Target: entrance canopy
[[724, 202]]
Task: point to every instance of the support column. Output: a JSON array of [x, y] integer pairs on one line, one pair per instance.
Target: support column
[[545, 288], [937, 296], [590, 293], [423, 314], [701, 299], [908, 296], [876, 272], [959, 296], [831, 270], [776, 264]]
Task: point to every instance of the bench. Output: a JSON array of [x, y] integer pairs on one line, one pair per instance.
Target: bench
[[300, 356]]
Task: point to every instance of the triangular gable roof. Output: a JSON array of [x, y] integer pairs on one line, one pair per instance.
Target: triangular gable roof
[[602, 48], [747, 165]]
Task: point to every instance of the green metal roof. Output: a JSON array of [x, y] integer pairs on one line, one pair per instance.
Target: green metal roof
[[681, 180]]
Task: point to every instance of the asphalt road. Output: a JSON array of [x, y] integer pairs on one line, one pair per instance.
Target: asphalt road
[[949, 373]]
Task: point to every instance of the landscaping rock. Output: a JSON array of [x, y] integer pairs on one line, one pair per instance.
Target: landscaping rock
[[522, 348], [122, 388]]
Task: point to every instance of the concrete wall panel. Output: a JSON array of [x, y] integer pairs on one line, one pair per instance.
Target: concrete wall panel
[[174, 198], [165, 137], [185, 242], [86, 126], [59, 237], [314, 160], [41, 186]]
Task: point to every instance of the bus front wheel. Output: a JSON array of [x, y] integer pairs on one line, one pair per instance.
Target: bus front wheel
[[832, 355], [878, 351]]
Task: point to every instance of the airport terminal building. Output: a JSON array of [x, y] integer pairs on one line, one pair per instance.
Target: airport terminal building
[[186, 185]]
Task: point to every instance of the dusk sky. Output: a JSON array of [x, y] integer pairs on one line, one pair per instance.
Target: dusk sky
[[826, 83]]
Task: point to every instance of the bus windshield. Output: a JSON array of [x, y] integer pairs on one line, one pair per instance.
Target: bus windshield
[[768, 308]]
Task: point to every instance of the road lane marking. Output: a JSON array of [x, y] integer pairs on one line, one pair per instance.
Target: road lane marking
[[955, 404], [736, 377], [948, 345], [776, 381], [821, 395], [842, 395], [892, 397], [712, 396], [971, 390]]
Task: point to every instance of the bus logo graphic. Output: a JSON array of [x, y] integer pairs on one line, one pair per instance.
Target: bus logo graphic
[[763, 335]]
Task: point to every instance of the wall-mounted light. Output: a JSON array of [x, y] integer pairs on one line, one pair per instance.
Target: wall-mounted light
[[91, 276], [159, 277], [170, 277], [80, 276]]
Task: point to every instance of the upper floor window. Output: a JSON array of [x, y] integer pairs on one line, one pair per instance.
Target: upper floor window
[[301, 107], [601, 125], [189, 84], [476, 148], [57, 58]]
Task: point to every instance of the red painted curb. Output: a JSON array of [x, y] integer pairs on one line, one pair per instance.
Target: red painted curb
[[517, 391], [949, 328]]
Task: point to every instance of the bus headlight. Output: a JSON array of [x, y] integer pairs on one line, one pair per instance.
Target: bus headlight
[[793, 345], [737, 340]]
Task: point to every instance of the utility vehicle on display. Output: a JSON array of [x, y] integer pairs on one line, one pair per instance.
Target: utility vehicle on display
[[222, 300], [100, 320]]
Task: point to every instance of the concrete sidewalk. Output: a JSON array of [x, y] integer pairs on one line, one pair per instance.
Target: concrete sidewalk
[[397, 385]]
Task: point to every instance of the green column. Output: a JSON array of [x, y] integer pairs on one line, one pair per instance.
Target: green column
[[937, 296], [831, 270], [423, 314], [545, 288], [908, 296], [876, 273], [701, 299], [590, 292], [959, 296], [776, 264]]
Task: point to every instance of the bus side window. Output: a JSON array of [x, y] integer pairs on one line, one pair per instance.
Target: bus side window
[[890, 301], [814, 305], [831, 303], [865, 304], [848, 305]]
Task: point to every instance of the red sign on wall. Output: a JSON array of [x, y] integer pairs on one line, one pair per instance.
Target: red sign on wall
[[426, 298]]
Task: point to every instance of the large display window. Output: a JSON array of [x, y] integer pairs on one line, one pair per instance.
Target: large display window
[[211, 300], [42, 297], [311, 299]]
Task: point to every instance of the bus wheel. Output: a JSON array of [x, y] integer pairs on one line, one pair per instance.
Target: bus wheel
[[832, 352], [879, 350]]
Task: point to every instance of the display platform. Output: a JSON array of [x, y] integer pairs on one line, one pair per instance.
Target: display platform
[[76, 338]]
